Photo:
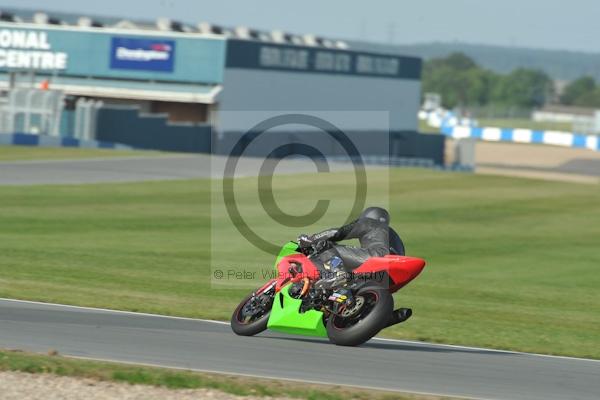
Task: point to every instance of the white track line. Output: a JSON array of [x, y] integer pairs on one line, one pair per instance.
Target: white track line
[[455, 346], [114, 311], [376, 338]]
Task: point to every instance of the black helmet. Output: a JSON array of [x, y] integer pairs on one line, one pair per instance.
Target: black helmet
[[376, 213]]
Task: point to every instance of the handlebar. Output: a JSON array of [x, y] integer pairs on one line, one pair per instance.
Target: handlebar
[[315, 248]]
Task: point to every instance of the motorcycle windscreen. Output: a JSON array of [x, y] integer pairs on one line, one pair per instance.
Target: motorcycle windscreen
[[286, 316]]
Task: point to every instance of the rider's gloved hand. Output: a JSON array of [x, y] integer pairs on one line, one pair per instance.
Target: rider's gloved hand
[[305, 241], [321, 245]]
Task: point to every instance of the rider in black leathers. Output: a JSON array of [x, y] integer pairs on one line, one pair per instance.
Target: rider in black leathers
[[371, 229], [376, 238]]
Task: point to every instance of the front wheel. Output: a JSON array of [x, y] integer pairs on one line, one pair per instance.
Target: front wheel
[[371, 312], [251, 315]]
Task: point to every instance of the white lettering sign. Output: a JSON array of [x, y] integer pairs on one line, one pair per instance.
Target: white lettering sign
[[123, 53], [29, 50], [283, 58], [377, 65], [328, 61]]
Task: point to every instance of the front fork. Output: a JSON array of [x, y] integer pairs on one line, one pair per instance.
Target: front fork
[[266, 287]]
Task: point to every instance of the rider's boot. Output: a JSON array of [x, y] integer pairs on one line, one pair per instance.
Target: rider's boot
[[399, 315]]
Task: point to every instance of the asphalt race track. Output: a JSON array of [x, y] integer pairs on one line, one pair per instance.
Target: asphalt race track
[[144, 168], [211, 346]]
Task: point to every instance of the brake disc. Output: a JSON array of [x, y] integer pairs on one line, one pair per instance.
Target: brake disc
[[349, 311]]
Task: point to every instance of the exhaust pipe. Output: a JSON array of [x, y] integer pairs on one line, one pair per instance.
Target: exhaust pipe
[[398, 316]]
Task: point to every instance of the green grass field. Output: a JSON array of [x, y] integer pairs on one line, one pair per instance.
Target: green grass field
[[180, 379], [424, 127], [512, 263], [19, 153], [515, 123], [524, 123]]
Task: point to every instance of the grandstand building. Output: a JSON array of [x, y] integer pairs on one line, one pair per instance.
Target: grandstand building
[[193, 73]]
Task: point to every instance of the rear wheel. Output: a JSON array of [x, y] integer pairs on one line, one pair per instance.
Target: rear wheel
[[251, 315], [370, 314]]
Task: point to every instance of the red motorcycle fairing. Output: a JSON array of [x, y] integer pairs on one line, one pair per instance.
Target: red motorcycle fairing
[[309, 270], [400, 269]]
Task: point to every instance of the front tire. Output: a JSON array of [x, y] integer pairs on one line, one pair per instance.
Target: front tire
[[243, 325], [373, 316]]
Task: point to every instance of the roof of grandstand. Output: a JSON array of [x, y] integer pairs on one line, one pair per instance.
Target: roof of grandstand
[[164, 25]]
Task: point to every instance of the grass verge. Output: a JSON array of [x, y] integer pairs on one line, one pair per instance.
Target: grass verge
[[525, 123], [509, 123], [181, 379], [27, 153], [512, 263]]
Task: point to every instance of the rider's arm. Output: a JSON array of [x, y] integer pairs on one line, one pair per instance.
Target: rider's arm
[[335, 234]]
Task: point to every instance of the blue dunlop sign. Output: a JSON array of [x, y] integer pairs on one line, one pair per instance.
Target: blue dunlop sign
[[142, 54]]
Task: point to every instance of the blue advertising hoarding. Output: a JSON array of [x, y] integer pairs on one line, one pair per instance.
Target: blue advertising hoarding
[[142, 54]]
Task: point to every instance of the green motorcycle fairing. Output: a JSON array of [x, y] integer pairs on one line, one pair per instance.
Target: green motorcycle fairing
[[285, 313]]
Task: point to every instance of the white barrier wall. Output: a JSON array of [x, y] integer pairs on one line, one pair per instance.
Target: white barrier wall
[[491, 134]]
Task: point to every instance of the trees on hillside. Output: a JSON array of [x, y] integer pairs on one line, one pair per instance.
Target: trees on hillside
[[576, 89], [582, 92], [462, 83], [525, 88], [458, 79]]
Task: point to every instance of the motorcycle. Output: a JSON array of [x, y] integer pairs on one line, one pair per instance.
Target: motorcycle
[[348, 309]]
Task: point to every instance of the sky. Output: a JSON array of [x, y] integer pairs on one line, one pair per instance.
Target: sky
[[549, 24]]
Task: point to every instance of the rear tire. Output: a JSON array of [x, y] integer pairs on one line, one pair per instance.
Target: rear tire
[[349, 332], [250, 328]]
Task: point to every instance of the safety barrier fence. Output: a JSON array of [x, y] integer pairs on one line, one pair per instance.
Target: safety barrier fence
[[492, 134]]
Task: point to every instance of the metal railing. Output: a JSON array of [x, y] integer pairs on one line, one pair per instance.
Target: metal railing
[[29, 110], [86, 114]]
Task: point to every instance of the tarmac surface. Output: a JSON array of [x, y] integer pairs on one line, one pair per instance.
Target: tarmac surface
[[538, 161], [211, 346], [149, 168], [521, 160]]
